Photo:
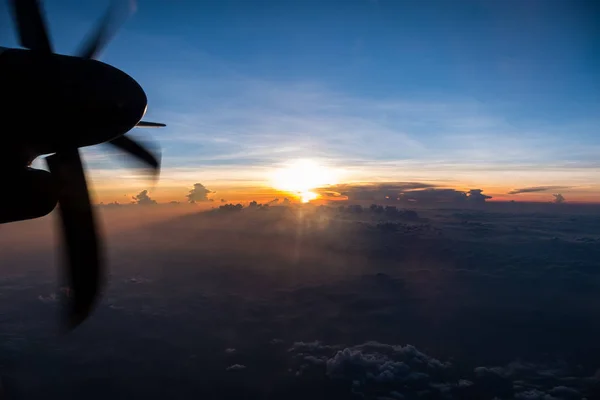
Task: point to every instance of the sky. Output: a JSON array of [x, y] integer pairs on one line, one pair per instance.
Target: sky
[[496, 95]]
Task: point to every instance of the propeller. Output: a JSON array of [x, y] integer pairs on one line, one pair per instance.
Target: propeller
[[84, 269], [144, 124], [32, 31], [84, 260], [99, 38]]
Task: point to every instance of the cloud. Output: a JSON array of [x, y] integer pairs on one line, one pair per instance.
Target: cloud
[[55, 297], [137, 280], [558, 198], [143, 199], [375, 369], [372, 191], [199, 194], [51, 298], [235, 367], [372, 366], [110, 205], [402, 192], [476, 196], [434, 196], [536, 189]]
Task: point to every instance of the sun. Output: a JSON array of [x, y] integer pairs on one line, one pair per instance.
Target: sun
[[301, 177]]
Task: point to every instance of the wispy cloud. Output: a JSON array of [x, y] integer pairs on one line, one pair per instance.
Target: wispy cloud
[[536, 189]]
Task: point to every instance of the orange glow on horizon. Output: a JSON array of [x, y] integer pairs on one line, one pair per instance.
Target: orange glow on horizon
[[239, 193]]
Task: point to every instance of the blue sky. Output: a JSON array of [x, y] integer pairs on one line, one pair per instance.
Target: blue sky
[[482, 93]]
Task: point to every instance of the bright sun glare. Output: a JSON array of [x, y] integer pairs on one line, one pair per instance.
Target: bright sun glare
[[301, 177]]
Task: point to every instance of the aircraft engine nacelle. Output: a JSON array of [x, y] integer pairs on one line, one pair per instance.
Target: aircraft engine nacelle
[[28, 193]]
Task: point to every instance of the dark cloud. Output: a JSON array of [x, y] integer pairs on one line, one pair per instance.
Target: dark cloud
[[432, 196], [536, 189], [143, 199], [476, 196], [403, 192], [273, 202], [231, 207], [286, 202], [372, 191], [199, 194], [444, 196], [254, 205], [558, 198]]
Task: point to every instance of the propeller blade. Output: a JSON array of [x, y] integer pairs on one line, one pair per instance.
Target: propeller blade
[[146, 124], [137, 150], [84, 268], [31, 26], [101, 35]]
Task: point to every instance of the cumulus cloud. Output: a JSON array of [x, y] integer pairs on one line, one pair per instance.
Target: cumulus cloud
[[54, 297], [558, 198], [476, 196], [377, 369], [199, 194], [142, 198], [236, 367], [536, 189], [110, 205], [371, 366], [51, 298], [231, 207]]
